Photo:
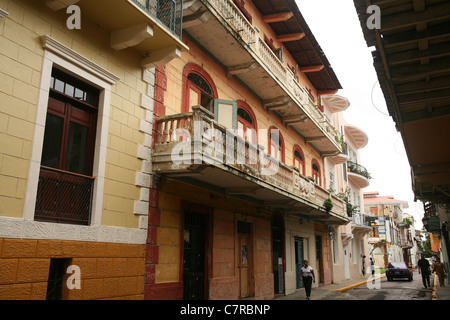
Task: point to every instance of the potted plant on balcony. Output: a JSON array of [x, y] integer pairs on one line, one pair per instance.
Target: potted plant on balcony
[[408, 222], [328, 205]]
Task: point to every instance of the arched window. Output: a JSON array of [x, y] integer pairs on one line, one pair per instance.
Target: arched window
[[316, 172], [246, 122], [299, 159], [276, 144], [198, 88]]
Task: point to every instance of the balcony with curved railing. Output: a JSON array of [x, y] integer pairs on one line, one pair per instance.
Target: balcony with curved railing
[[358, 174]]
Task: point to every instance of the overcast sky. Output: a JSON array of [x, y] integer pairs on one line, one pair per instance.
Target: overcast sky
[[336, 27]]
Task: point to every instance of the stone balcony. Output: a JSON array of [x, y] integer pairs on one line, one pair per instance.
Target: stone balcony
[[192, 147], [152, 27]]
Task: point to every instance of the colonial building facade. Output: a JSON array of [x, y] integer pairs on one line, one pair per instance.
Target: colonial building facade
[[76, 114], [147, 162], [391, 239], [239, 186]]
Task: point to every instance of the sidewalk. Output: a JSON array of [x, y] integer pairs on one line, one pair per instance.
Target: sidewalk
[[334, 291]]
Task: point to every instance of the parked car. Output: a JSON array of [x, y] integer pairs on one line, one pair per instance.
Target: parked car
[[398, 270]]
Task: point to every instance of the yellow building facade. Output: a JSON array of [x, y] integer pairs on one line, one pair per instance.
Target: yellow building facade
[[75, 130]]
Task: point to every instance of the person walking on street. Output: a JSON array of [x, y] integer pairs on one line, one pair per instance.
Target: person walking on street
[[363, 265], [439, 268], [308, 277], [424, 269], [372, 266]]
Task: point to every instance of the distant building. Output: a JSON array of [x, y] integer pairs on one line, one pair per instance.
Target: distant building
[[391, 236]]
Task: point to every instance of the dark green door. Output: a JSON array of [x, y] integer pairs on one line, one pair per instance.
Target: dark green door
[[277, 255], [319, 265], [194, 256], [299, 258]]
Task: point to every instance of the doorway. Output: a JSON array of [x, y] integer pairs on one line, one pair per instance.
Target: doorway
[[299, 261], [319, 264], [346, 263], [278, 254], [194, 256], [245, 264]]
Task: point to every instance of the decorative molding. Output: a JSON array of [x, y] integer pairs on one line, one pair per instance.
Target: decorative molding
[[3, 13], [143, 177], [61, 50], [29, 229]]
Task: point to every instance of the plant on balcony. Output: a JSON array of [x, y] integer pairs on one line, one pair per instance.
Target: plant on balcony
[[408, 222], [328, 205], [351, 209]]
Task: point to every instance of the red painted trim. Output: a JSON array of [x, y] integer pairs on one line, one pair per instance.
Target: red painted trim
[[315, 162], [244, 105], [297, 148], [241, 5], [164, 291], [154, 216], [280, 136], [193, 68], [152, 254]]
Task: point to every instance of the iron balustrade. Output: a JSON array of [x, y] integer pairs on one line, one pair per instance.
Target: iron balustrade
[[357, 168], [168, 12], [64, 197]]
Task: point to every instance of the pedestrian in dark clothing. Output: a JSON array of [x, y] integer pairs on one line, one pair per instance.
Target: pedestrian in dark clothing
[[440, 270], [424, 269], [307, 275], [372, 266]]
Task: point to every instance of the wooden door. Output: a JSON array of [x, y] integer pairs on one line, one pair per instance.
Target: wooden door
[[244, 264], [194, 256], [299, 261]]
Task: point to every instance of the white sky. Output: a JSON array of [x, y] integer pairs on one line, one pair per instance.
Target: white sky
[[336, 27]]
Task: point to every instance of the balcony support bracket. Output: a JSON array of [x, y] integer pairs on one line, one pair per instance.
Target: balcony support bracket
[[130, 36], [160, 57]]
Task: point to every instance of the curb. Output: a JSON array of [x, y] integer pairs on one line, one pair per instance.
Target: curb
[[357, 284]]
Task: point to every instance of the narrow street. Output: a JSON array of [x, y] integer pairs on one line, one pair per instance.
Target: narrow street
[[381, 289], [398, 289]]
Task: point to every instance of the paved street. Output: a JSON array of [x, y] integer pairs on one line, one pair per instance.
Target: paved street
[[381, 289]]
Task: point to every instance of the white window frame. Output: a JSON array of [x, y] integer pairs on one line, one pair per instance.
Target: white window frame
[[56, 55]]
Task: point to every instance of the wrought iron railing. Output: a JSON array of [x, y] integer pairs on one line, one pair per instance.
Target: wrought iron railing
[[168, 12], [359, 169], [63, 197]]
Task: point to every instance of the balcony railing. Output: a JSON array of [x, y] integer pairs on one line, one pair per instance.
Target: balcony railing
[[250, 38], [63, 197], [195, 138], [358, 169], [168, 12], [359, 219]]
